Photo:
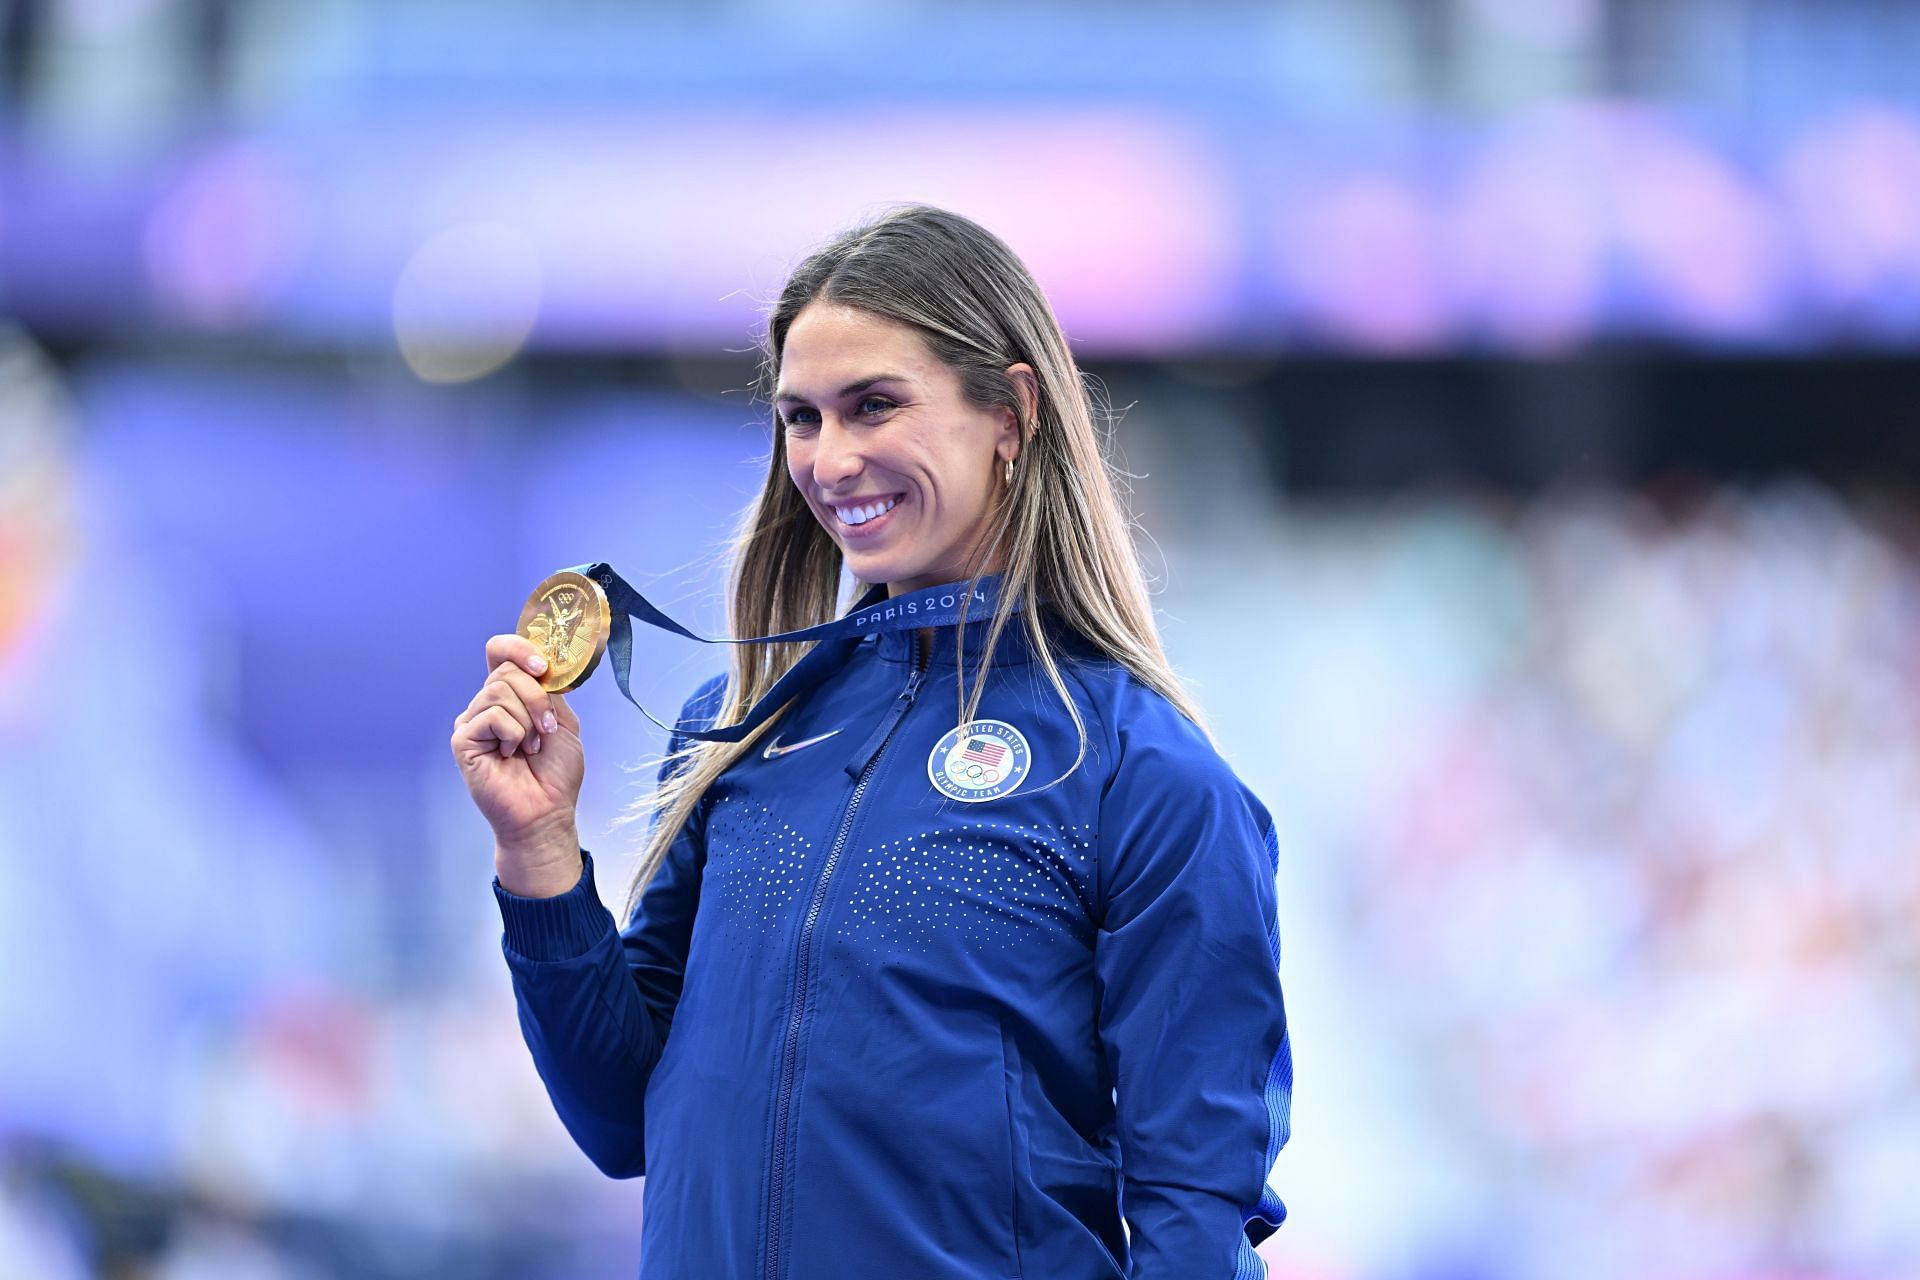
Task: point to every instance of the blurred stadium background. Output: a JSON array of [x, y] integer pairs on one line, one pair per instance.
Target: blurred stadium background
[[1523, 400]]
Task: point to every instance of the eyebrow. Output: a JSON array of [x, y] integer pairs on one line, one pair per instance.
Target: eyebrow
[[851, 388]]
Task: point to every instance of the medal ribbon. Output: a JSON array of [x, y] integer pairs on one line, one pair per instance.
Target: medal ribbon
[[873, 614]]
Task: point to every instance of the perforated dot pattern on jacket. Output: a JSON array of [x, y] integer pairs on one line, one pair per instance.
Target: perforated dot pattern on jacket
[[984, 884], [757, 865]]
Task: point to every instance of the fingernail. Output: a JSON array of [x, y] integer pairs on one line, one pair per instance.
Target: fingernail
[[548, 723], [534, 750], [536, 664]]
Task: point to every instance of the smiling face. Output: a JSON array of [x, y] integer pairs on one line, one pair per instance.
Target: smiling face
[[889, 455]]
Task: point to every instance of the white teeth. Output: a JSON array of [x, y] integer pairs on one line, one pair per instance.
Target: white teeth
[[860, 515]]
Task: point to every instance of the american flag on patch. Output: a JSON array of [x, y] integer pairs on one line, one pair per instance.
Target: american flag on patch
[[984, 751]]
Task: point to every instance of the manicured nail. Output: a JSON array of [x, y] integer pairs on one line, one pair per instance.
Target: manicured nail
[[534, 750], [536, 664], [548, 723]]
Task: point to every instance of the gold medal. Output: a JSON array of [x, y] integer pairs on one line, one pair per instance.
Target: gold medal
[[568, 619]]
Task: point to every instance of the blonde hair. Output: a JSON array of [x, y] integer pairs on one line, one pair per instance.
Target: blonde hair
[[1061, 526]]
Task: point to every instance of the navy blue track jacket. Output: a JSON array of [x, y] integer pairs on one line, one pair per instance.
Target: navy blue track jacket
[[892, 1008]]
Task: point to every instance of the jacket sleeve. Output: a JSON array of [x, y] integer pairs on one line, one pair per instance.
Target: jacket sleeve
[[596, 1005], [1192, 1019]]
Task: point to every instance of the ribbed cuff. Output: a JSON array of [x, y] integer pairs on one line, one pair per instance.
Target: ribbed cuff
[[557, 928]]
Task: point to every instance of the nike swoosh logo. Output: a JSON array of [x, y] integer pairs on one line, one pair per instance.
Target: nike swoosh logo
[[775, 749]]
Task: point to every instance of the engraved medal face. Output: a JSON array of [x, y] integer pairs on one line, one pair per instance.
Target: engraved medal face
[[567, 616], [980, 761]]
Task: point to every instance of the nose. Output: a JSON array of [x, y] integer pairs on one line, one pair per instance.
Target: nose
[[836, 455]]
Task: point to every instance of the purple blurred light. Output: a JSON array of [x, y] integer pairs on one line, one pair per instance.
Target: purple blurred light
[[1361, 253], [222, 242], [1525, 237], [1854, 183], [1701, 235], [669, 234]]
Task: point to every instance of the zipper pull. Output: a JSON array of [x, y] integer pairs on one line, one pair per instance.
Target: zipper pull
[[882, 731]]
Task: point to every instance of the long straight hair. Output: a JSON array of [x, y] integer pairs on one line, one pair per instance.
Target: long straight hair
[[1064, 533]]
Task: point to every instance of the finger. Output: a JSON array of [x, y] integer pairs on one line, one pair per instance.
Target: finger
[[537, 701], [492, 730], [487, 696], [540, 702], [517, 649], [501, 695]]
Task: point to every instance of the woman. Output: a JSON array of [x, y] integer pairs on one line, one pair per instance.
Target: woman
[[914, 985]]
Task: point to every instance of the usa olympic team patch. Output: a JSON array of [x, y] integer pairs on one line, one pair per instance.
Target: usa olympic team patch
[[983, 760]]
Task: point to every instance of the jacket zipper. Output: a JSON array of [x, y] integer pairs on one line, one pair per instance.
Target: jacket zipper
[[868, 756]]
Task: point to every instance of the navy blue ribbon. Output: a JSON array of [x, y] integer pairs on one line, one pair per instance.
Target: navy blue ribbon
[[873, 614]]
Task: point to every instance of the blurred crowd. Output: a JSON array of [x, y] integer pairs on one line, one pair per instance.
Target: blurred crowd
[[1615, 794], [1650, 893]]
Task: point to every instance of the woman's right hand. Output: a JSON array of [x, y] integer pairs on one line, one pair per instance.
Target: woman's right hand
[[518, 747]]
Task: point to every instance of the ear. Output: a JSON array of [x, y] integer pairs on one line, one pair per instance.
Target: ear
[[1013, 432]]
